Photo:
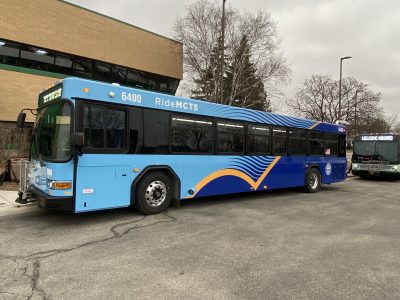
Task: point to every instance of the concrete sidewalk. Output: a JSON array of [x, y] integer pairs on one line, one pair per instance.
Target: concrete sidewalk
[[8, 206]]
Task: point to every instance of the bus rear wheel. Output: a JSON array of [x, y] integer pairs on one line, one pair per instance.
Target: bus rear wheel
[[153, 193], [313, 181]]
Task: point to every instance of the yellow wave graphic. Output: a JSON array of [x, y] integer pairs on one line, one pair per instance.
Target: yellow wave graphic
[[314, 125], [236, 173]]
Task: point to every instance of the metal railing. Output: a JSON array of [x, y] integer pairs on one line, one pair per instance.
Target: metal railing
[[23, 186]]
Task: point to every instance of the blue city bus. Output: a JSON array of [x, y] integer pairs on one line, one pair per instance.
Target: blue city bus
[[99, 146]]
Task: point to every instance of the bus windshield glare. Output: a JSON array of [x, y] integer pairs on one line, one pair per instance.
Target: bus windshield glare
[[52, 132]]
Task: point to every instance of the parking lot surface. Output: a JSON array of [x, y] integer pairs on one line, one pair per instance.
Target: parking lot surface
[[341, 243]]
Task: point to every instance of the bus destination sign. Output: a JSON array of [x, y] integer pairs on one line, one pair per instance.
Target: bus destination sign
[[50, 95], [377, 138]]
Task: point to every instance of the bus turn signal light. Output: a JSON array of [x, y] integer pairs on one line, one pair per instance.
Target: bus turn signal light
[[60, 185]]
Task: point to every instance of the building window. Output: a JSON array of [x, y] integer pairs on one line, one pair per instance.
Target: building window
[[315, 143], [297, 141], [9, 53], [102, 71], [83, 68], [194, 135], [279, 138], [258, 139], [230, 137], [33, 57]]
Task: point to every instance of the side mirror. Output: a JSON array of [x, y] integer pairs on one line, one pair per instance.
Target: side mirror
[[77, 139], [21, 119]]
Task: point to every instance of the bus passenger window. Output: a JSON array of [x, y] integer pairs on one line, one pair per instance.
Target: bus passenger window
[[279, 137], [230, 137], [331, 144], [315, 143], [297, 141], [258, 139], [104, 128], [191, 135]]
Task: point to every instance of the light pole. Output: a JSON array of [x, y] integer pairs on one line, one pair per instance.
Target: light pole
[[222, 52], [340, 86]]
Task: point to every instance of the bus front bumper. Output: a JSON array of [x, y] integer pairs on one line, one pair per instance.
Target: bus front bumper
[[48, 202], [386, 174]]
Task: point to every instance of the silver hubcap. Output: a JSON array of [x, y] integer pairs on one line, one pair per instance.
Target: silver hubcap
[[313, 181], [156, 193]]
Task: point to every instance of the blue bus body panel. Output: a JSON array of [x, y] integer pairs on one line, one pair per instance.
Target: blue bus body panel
[[76, 87], [105, 180], [40, 174]]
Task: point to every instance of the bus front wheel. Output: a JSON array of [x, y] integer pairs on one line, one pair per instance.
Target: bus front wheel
[[313, 181], [153, 193]]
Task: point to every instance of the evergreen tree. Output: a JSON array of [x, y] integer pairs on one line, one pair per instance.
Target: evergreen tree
[[209, 85], [242, 84]]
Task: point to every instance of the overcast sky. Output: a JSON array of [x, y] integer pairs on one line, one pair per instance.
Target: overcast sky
[[314, 33]]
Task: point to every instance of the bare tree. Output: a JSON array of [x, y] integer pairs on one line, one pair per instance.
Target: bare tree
[[200, 29], [318, 98], [396, 128]]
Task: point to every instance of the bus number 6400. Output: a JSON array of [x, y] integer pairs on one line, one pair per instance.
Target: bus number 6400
[[137, 98]]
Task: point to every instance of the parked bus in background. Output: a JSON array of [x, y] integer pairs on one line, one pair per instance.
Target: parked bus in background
[[376, 155], [99, 146]]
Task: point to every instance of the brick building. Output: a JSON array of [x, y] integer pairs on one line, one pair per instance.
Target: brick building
[[45, 40]]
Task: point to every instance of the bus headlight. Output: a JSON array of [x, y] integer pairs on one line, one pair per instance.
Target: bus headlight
[[59, 185]]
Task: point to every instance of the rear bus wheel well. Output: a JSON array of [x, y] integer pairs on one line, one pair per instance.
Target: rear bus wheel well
[[157, 169]]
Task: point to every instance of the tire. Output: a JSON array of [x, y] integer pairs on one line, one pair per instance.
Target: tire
[[313, 181], [153, 193]]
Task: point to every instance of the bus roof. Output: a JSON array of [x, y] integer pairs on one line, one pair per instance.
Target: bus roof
[[77, 88]]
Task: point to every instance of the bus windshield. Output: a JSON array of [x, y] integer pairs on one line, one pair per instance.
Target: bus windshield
[[364, 148], [388, 151], [385, 151], [52, 132]]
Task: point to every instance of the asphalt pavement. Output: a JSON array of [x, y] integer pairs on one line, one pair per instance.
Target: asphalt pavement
[[341, 243]]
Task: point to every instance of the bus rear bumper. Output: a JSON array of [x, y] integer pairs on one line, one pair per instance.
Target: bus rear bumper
[[48, 202]]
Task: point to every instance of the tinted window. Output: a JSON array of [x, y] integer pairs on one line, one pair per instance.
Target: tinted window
[[315, 143], [297, 141], [279, 137], [258, 140], [136, 78], [155, 131], [9, 52], [63, 64], [83, 67], [331, 144], [102, 71], [191, 134], [29, 56], [342, 145], [104, 128], [37, 58], [118, 74], [230, 137]]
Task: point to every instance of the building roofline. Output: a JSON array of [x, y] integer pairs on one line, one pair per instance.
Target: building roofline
[[119, 21]]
